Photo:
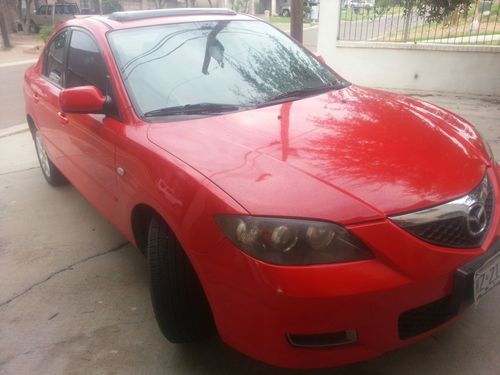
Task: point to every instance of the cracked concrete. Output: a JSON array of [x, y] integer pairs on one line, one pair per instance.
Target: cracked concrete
[[70, 267], [74, 296]]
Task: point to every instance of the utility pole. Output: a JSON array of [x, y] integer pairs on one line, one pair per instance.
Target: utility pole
[[297, 19], [3, 26]]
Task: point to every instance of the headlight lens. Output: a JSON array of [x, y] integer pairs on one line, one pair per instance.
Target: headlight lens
[[292, 241]]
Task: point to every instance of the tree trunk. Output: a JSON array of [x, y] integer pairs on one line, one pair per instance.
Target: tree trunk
[[297, 19], [27, 21], [19, 9], [407, 24], [3, 26]]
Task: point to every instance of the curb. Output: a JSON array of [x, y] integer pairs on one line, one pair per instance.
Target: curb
[[12, 130], [18, 62]]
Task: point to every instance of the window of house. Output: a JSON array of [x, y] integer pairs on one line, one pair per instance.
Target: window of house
[[54, 59], [85, 63]]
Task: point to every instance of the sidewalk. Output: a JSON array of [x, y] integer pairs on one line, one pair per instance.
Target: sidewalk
[[25, 48]]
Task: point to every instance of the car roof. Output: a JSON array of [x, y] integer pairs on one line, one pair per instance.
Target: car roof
[[132, 19]]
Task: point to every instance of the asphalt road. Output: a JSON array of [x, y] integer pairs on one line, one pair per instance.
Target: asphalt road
[[11, 95]]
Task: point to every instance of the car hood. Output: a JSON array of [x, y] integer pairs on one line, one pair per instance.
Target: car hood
[[349, 155]]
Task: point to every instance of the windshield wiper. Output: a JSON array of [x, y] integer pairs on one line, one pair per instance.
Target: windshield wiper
[[194, 109], [298, 94]]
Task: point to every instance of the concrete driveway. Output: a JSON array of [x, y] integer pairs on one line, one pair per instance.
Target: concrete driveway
[[74, 295]]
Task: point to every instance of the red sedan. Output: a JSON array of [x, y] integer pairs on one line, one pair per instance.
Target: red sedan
[[308, 221]]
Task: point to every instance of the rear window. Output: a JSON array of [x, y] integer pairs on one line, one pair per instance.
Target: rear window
[[227, 62]]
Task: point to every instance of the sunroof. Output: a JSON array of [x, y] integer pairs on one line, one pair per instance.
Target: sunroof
[[144, 14]]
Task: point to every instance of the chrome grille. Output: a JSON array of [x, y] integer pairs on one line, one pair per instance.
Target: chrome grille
[[461, 223]]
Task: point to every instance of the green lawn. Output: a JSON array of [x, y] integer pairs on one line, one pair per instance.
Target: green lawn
[[279, 19], [368, 13]]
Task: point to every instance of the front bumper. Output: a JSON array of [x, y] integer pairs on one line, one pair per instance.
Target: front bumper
[[257, 306]]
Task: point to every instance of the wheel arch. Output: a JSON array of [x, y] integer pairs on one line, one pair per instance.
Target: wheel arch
[[31, 125], [139, 220]]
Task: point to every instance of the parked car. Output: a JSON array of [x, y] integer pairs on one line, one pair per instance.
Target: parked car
[[308, 221], [358, 4], [47, 15], [286, 9]]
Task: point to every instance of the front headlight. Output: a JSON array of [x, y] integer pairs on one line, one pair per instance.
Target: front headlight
[[292, 241]]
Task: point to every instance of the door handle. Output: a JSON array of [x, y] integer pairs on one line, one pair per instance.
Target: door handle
[[62, 117], [36, 97]]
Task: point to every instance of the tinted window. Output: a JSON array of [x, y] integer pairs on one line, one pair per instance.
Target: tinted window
[[224, 62], [85, 63], [53, 68]]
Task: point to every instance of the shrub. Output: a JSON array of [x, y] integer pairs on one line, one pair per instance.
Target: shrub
[[46, 32]]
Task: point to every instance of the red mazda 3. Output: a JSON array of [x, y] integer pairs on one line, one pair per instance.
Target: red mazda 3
[[308, 221]]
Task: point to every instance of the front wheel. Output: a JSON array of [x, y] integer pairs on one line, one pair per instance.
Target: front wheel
[[179, 303], [49, 170]]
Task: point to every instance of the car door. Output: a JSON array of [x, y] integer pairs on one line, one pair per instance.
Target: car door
[[45, 90], [90, 138]]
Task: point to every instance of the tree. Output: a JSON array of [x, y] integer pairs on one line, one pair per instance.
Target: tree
[[3, 26], [27, 22], [434, 10]]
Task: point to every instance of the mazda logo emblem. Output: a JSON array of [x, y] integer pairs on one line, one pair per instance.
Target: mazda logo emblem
[[476, 219]]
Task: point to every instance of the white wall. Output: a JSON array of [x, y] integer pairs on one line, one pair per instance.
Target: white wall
[[445, 68]]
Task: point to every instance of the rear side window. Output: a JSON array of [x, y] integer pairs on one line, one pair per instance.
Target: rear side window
[[85, 63], [54, 60]]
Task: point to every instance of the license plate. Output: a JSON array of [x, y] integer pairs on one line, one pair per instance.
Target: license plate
[[486, 277]]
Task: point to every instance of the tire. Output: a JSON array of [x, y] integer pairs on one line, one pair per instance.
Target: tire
[[34, 29], [53, 176], [179, 302], [285, 13]]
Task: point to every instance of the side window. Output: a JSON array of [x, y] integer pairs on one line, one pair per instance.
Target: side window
[[54, 59], [85, 63], [42, 10]]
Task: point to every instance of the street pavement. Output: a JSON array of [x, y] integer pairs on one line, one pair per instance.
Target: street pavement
[[13, 64], [11, 94]]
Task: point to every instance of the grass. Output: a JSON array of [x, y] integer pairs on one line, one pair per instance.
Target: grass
[[367, 14], [279, 19], [489, 25]]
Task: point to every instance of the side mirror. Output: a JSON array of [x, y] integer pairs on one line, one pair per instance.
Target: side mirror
[[82, 99], [321, 59]]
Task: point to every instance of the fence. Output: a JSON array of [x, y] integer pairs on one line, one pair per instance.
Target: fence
[[402, 21]]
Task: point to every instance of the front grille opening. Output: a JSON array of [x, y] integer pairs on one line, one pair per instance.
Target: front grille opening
[[424, 318], [453, 231], [324, 340]]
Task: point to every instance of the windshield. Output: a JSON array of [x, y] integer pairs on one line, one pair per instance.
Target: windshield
[[230, 63]]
